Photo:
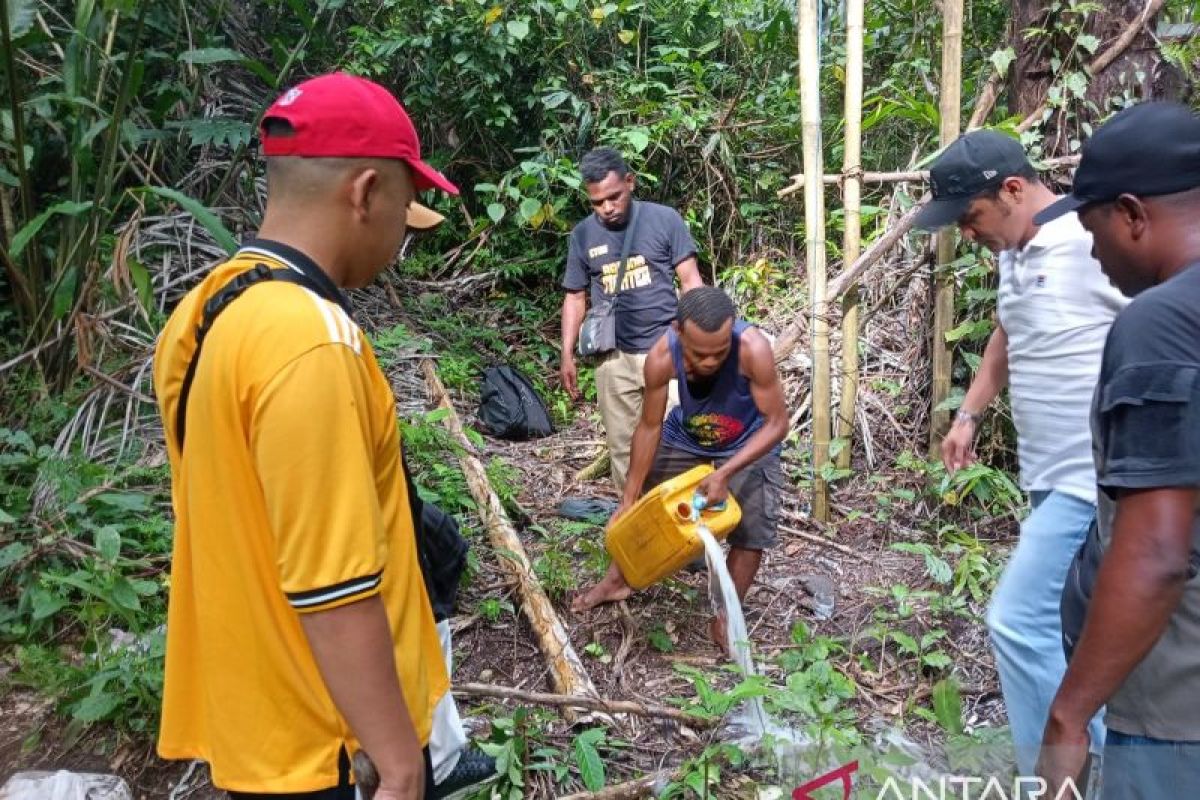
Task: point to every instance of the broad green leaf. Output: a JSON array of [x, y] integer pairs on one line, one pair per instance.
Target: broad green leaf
[[68, 208], [124, 596], [210, 55], [947, 705], [96, 707], [219, 131], [14, 552], [555, 99], [529, 207], [203, 215], [46, 604], [141, 282], [495, 212], [639, 140], [20, 17], [64, 295], [8, 179], [126, 501], [108, 542], [591, 768], [518, 29], [626, 36], [1089, 42], [1002, 59], [598, 15]]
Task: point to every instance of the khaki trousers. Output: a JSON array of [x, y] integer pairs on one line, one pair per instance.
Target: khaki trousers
[[620, 387]]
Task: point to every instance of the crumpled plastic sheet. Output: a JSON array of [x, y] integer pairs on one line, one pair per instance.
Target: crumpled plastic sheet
[[64, 785]]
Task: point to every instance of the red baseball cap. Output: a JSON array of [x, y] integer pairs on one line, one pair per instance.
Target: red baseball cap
[[344, 116]]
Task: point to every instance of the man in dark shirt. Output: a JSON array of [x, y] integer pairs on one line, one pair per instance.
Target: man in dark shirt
[[1138, 194], [644, 304]]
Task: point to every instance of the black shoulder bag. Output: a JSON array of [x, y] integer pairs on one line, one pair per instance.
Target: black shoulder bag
[[598, 333]]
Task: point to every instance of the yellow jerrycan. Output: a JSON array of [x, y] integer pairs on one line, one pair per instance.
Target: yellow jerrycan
[[657, 536]]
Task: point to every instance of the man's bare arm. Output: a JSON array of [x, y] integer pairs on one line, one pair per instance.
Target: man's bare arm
[[353, 648], [688, 271]]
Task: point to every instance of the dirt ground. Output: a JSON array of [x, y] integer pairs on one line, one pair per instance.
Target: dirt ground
[[632, 650]]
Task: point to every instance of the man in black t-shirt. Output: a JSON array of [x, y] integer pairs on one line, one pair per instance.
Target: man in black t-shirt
[[645, 303], [1138, 194]]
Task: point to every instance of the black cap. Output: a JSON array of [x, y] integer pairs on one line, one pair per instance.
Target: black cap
[[1147, 150], [971, 163]]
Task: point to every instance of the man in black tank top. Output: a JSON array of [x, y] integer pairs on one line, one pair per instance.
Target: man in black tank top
[[732, 415]]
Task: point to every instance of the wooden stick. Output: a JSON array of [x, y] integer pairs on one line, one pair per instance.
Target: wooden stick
[[852, 233], [567, 671], [591, 703], [943, 304], [908, 176], [824, 542], [814, 235], [1105, 59], [630, 790]]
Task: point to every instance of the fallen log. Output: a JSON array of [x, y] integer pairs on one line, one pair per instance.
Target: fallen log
[[567, 671], [590, 703]]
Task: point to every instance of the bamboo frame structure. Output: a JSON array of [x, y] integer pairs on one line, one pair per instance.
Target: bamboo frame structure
[[903, 176], [852, 233], [814, 235], [567, 672], [943, 304]]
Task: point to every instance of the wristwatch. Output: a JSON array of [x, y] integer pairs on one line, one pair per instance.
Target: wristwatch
[[962, 415]]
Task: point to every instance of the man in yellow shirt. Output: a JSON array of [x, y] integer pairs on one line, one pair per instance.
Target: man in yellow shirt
[[299, 628]]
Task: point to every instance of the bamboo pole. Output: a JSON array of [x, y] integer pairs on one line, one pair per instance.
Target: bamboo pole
[[852, 234], [943, 304], [814, 234], [567, 671]]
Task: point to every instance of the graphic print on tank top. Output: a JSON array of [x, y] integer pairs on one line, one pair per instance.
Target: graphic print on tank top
[[717, 414]]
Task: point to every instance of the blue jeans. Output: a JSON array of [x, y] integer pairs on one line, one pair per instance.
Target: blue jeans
[[1024, 621], [1141, 768]]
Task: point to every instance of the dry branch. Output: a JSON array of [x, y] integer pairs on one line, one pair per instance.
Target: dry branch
[[824, 542], [569, 675], [590, 703], [630, 790]]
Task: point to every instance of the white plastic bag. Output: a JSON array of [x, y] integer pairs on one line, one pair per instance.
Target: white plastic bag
[[64, 785]]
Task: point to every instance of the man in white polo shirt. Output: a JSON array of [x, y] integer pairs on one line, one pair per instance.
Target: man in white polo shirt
[[1055, 308]]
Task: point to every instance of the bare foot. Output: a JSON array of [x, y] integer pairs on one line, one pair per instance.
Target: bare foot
[[717, 630], [609, 590]]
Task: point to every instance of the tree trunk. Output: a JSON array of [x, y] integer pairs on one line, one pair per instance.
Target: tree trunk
[[1040, 35]]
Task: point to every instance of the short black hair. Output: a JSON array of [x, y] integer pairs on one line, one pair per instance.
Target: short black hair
[[1028, 172], [706, 306], [596, 165]]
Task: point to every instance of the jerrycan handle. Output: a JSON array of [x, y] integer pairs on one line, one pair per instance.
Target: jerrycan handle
[[700, 503]]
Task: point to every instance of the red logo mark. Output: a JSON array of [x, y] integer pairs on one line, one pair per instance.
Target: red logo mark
[[843, 772]]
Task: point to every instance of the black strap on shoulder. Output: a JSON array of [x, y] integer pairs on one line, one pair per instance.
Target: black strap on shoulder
[[212, 309], [626, 244]]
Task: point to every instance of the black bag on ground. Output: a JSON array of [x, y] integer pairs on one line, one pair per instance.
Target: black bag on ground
[[441, 550], [509, 406]]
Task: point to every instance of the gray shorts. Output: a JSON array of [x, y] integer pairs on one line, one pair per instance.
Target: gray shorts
[[757, 487]]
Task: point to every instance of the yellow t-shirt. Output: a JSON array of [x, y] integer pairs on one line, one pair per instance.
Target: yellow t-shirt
[[290, 498]]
